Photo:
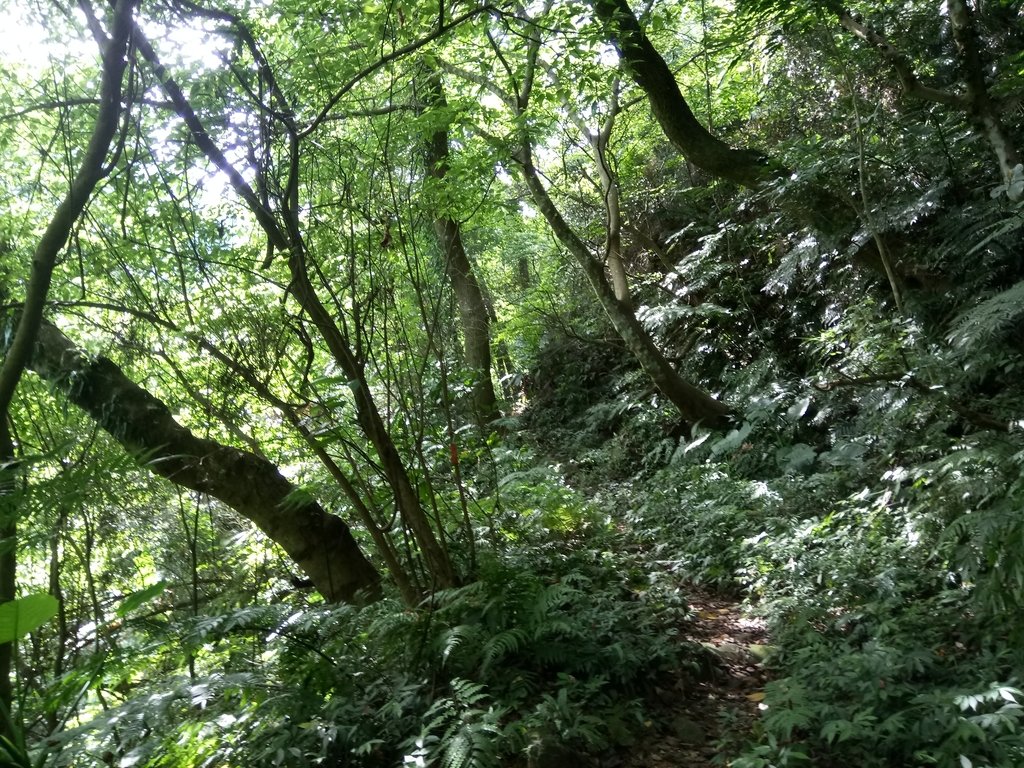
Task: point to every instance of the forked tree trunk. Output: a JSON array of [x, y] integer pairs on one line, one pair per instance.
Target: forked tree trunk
[[692, 402], [319, 543]]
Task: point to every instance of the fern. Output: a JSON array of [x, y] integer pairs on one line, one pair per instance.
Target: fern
[[460, 730], [502, 645], [990, 319], [998, 230], [551, 598], [446, 598], [554, 654], [802, 258], [456, 637], [467, 693], [472, 745]]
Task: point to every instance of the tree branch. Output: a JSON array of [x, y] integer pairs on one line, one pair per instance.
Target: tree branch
[[901, 64], [56, 234], [264, 216], [398, 53]]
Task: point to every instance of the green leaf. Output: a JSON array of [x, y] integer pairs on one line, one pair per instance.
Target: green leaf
[[135, 599], [732, 441], [796, 458], [21, 616]]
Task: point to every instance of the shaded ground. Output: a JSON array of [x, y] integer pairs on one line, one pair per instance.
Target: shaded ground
[[704, 716]]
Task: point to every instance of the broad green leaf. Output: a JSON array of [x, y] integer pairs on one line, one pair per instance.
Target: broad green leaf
[[135, 599], [21, 616]]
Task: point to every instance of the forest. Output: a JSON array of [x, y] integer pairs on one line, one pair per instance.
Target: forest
[[482, 383]]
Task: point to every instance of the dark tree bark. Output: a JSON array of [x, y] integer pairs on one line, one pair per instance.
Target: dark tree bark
[[385, 549], [649, 70], [475, 321], [319, 543], [407, 498], [815, 207]]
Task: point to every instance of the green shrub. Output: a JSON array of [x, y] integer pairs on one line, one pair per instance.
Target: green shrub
[[556, 643]]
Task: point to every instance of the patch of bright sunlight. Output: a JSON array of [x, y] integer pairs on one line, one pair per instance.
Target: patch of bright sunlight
[[31, 41], [28, 46]]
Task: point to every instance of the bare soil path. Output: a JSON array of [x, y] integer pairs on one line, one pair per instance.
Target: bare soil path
[[704, 717]]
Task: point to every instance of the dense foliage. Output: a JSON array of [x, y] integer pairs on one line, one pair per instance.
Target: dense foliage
[[378, 379]]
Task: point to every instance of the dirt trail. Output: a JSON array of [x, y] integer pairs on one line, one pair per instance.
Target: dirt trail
[[700, 715]]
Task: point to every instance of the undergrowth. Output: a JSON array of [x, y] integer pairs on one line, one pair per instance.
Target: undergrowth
[[870, 513], [887, 564], [548, 654]]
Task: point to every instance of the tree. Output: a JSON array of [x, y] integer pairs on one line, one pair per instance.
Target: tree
[[473, 313], [312, 228], [975, 99], [318, 542], [284, 232], [693, 403]]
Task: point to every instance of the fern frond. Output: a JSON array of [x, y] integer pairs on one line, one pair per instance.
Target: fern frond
[[458, 751], [552, 597], [803, 257], [501, 646], [448, 598], [553, 654], [467, 693], [463, 729], [989, 319], [458, 636], [472, 745], [998, 230]]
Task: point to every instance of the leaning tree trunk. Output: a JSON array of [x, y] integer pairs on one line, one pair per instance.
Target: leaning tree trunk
[[319, 543], [286, 236], [693, 403], [652, 74], [407, 498], [815, 207], [385, 548], [475, 321]]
